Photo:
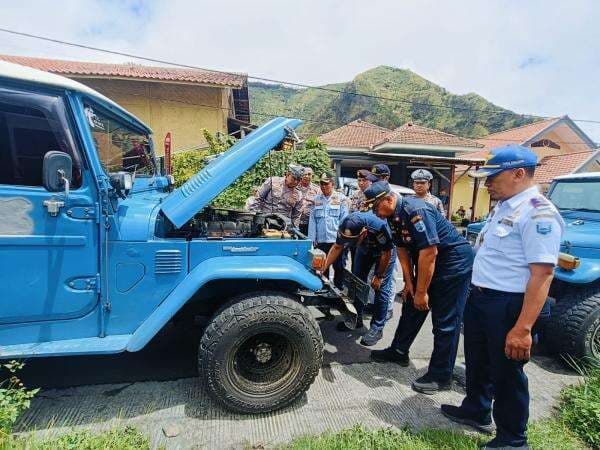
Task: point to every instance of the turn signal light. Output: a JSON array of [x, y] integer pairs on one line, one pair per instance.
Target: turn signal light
[[568, 262], [318, 258]]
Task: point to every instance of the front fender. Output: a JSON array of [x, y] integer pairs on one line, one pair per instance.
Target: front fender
[[587, 272], [226, 267]]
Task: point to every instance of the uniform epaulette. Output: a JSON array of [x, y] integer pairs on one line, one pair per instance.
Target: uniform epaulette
[[539, 201]]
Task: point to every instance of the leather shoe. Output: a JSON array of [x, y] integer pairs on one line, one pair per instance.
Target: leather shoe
[[459, 415], [429, 385], [390, 355]]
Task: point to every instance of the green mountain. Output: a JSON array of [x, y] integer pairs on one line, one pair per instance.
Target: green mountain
[[407, 98]]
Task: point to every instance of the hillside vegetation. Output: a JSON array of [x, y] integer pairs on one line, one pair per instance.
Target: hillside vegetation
[[412, 94]]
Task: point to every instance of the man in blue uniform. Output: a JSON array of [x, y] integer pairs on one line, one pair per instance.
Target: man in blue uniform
[[381, 171], [373, 240], [514, 266], [330, 207], [436, 264]]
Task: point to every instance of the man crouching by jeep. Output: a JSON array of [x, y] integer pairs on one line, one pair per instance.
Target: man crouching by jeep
[[430, 250], [372, 236]]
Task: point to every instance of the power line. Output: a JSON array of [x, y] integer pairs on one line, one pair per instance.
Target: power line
[[270, 80]]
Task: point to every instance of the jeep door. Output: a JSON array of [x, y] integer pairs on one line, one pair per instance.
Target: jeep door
[[48, 262]]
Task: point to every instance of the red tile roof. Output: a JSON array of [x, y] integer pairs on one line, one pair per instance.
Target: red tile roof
[[355, 134], [410, 133], [552, 166], [363, 134], [134, 71], [517, 135]]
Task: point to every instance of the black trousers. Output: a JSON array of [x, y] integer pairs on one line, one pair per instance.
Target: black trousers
[[338, 265], [447, 302], [489, 316], [303, 227]]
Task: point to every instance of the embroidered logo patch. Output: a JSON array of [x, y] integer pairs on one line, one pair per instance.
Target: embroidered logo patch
[[543, 227], [419, 226]]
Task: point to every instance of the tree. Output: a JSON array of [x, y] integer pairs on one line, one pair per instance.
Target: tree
[[312, 153]]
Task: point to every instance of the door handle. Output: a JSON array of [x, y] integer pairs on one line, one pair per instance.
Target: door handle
[[53, 206]]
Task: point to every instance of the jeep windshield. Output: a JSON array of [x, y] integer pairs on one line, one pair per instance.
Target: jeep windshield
[[580, 195], [120, 147]]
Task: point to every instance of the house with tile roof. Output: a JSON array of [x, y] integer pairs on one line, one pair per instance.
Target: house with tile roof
[[180, 101], [359, 145], [562, 148]]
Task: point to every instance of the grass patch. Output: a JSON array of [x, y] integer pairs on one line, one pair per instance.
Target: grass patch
[[118, 439], [580, 406], [543, 435]]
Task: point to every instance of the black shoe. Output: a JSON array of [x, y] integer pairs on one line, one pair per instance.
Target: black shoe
[[390, 355], [346, 326], [458, 415], [371, 337], [495, 443], [429, 385]]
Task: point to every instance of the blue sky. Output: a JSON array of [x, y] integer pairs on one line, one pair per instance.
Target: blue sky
[[536, 57]]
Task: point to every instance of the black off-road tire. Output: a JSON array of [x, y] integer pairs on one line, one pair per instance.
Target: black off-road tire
[[573, 329], [260, 352]]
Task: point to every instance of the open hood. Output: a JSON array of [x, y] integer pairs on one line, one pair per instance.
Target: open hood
[[187, 200]]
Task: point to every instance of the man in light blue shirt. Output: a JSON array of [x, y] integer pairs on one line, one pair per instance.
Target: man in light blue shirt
[[517, 250], [330, 207]]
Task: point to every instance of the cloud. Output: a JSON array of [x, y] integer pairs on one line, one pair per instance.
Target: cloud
[[490, 48], [531, 61]]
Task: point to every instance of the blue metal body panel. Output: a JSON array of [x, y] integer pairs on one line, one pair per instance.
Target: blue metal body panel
[[202, 250], [229, 267], [203, 187], [163, 265], [96, 278], [71, 347]]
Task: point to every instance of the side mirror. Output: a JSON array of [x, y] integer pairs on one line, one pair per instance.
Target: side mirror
[[57, 171]]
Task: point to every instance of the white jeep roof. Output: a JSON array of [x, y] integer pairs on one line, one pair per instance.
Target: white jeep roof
[[575, 176], [28, 74]]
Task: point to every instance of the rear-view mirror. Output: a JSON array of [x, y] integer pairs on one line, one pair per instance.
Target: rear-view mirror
[[57, 171]]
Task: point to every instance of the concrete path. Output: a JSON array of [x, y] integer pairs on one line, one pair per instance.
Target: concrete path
[[349, 390]]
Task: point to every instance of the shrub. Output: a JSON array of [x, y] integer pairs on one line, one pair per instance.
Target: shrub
[[185, 164], [580, 406], [14, 397]]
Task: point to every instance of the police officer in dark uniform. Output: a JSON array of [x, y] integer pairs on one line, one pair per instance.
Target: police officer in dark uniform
[[517, 250], [373, 240], [436, 264]]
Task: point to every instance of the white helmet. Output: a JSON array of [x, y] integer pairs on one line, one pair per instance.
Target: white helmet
[[421, 175]]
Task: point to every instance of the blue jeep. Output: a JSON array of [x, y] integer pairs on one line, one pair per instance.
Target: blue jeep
[[573, 327], [98, 251]]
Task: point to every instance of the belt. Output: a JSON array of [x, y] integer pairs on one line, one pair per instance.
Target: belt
[[489, 291]]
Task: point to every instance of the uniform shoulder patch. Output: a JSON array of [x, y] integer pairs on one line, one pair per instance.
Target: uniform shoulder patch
[[543, 227], [539, 201], [419, 226]]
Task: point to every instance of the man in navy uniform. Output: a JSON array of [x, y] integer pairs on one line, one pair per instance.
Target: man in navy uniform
[[373, 240], [381, 171], [516, 252], [436, 264]]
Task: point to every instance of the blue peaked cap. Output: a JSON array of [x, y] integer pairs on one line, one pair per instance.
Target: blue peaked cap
[[504, 158]]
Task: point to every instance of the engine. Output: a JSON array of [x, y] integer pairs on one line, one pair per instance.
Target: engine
[[220, 223]]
